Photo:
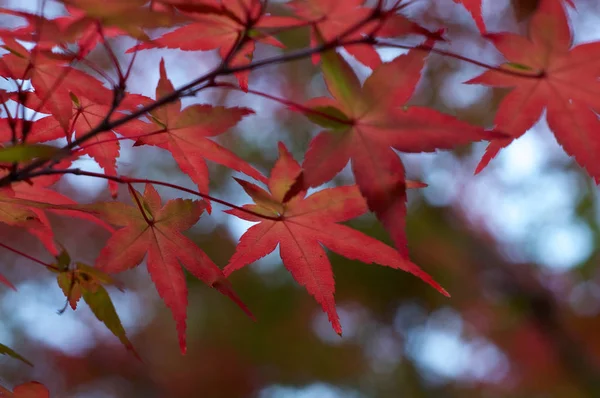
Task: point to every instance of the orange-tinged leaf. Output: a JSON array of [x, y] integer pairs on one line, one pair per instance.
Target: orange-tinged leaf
[[4, 350], [306, 225]]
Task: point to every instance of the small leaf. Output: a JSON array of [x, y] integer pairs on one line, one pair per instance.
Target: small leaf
[[101, 305], [23, 153], [4, 350]]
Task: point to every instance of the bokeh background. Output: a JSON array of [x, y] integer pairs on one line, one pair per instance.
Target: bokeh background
[[517, 247]]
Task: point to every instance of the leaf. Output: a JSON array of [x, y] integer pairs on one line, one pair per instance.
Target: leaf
[[185, 133], [157, 231], [378, 121], [4, 350], [32, 389], [302, 226], [221, 25], [118, 14], [332, 18], [23, 153], [546, 73], [101, 305]]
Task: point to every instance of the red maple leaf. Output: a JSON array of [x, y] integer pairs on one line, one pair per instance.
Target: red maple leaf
[[365, 123], [546, 73], [185, 133], [222, 24], [302, 226], [333, 18], [155, 229]]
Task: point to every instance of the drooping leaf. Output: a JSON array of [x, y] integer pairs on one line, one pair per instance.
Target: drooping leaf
[[302, 226], [99, 301], [4, 350]]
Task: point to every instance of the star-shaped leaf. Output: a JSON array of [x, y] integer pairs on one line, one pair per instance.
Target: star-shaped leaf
[[302, 226], [150, 228]]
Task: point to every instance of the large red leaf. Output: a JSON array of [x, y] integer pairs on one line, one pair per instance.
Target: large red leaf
[[157, 231], [546, 73], [365, 123], [302, 226]]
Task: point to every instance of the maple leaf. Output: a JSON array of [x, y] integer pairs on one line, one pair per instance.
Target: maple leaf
[[130, 16], [302, 226], [365, 123], [222, 25], [32, 389], [185, 133], [152, 228], [546, 73], [332, 18]]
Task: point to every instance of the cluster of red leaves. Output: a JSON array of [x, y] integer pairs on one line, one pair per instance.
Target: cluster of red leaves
[[362, 123]]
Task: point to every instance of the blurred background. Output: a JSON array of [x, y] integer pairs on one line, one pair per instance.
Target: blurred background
[[517, 247]]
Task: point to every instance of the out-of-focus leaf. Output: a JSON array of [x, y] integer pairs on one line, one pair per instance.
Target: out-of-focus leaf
[[32, 389], [4, 350]]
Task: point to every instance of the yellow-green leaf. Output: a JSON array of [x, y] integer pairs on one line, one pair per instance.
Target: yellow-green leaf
[[23, 153], [329, 117], [101, 305]]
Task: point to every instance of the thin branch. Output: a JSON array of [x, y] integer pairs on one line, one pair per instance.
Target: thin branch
[[128, 180], [428, 48], [23, 254]]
